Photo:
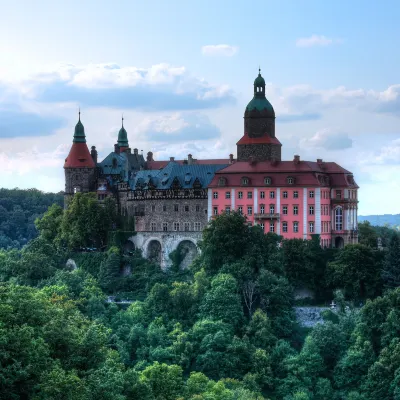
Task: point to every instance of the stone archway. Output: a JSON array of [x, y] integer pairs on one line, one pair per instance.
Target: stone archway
[[154, 251], [339, 242], [187, 252]]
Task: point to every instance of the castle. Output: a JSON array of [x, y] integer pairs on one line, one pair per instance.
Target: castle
[[173, 200]]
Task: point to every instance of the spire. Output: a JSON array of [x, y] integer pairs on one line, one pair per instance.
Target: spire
[[123, 136], [79, 135]]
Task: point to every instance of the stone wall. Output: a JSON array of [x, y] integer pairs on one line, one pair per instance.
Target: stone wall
[[309, 316], [161, 211], [259, 152]]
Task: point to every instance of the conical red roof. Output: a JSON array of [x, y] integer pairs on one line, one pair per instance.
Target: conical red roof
[[79, 157]]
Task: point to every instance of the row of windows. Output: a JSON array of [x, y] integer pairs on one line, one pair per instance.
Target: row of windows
[[311, 210], [186, 208], [176, 226], [295, 227], [246, 181], [262, 195]]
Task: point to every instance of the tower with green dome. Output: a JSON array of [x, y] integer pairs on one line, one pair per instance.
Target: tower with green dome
[[259, 142], [123, 143]]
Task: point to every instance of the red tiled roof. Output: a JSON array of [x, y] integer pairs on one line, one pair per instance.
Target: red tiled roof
[[260, 140], [303, 172], [79, 157]]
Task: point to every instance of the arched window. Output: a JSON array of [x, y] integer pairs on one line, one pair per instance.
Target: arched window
[[267, 180], [221, 181], [245, 181], [338, 218], [290, 180]]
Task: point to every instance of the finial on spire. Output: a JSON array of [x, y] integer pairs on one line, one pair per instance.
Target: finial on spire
[[259, 70], [79, 113], [122, 119]]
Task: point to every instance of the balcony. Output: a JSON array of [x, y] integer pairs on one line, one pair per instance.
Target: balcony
[[266, 216]]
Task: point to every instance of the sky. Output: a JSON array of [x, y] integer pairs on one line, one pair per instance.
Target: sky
[[181, 74]]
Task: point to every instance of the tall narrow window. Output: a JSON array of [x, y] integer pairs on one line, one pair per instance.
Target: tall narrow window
[[187, 226], [153, 226], [295, 227], [227, 195], [240, 195], [311, 194], [272, 227], [262, 195], [249, 210], [271, 195], [262, 209], [262, 226], [339, 219], [215, 210], [165, 226], [240, 210], [215, 195], [249, 195], [272, 209], [284, 226], [295, 210], [311, 227], [311, 210], [285, 195], [176, 226]]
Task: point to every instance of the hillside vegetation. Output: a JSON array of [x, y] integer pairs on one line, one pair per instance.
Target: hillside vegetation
[[222, 330], [18, 212]]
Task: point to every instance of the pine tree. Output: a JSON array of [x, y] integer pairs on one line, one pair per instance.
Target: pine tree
[[391, 269]]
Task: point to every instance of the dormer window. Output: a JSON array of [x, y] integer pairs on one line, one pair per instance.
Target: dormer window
[[290, 180], [221, 181], [267, 180], [245, 181]]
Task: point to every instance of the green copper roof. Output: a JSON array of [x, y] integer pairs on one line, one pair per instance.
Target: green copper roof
[[123, 136], [259, 101], [259, 81], [79, 135]]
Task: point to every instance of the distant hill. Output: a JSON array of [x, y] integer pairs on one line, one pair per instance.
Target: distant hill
[[18, 211], [392, 220]]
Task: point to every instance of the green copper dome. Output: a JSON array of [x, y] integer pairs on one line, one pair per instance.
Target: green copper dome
[[259, 81], [123, 136], [79, 135], [259, 102]]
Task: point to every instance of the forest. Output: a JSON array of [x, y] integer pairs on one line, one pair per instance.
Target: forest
[[223, 329], [18, 212]]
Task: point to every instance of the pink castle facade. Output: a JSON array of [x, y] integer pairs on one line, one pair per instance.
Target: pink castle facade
[[295, 199]]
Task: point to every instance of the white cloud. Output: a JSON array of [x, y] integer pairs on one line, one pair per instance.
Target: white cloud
[[219, 50], [328, 139], [316, 40]]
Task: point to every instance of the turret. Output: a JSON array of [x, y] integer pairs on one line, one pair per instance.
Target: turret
[[259, 141], [79, 165], [123, 143]]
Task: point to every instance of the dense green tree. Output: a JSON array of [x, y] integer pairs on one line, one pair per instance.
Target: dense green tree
[[358, 270], [391, 269]]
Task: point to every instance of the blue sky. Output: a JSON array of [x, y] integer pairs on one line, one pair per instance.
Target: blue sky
[[182, 73]]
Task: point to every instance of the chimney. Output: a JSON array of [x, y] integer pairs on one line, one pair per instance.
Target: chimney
[[116, 148], [296, 159], [149, 156], [128, 150], [172, 159], [319, 160], [135, 151], [190, 159], [230, 158], [93, 153]]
